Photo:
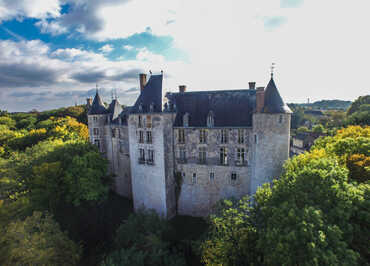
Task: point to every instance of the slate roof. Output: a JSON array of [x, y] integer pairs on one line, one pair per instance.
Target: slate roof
[[97, 107], [151, 94], [273, 101], [230, 108], [114, 109]]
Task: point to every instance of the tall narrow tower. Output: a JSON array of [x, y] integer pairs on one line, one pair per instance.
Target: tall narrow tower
[[271, 136]]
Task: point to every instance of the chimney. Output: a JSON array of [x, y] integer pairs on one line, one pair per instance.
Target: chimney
[[88, 102], [182, 88], [260, 99], [142, 78], [252, 85]]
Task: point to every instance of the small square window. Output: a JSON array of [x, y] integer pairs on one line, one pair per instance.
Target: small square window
[[233, 176], [194, 179]]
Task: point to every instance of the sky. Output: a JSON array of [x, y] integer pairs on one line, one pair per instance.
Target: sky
[[54, 52]]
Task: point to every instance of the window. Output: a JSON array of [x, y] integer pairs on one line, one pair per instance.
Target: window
[[148, 121], [141, 136], [96, 131], [186, 120], [181, 136], [194, 179], [113, 133], [223, 156], [210, 119], [280, 119], [95, 118], [97, 143], [182, 154], [240, 136], [141, 156], [150, 157], [149, 138], [202, 155], [255, 138], [202, 136], [140, 122], [240, 156], [183, 175], [140, 107], [151, 107], [233, 177], [224, 136], [211, 176], [121, 147]]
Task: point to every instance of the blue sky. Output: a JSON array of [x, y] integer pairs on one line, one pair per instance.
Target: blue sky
[[52, 53]]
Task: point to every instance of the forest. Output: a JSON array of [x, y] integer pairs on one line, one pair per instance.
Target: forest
[[57, 206]]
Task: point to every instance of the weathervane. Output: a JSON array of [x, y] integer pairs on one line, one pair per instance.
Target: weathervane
[[272, 69]]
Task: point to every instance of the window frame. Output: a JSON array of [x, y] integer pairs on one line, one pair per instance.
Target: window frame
[[202, 136], [223, 156], [181, 136], [224, 136], [149, 137], [241, 136], [202, 155], [141, 136]]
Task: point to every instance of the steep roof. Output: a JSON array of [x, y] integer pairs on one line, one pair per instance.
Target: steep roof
[[97, 107], [230, 108], [114, 109], [273, 101], [151, 94]]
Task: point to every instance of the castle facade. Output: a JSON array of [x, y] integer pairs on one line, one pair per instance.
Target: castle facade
[[182, 152]]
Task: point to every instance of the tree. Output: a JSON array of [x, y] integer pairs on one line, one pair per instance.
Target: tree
[[355, 106], [144, 239], [37, 240], [7, 121], [318, 129], [302, 130]]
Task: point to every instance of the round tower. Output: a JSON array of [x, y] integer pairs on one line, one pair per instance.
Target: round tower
[[271, 135]]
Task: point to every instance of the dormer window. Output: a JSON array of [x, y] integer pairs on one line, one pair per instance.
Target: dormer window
[[151, 107], [210, 119], [186, 120], [140, 107]]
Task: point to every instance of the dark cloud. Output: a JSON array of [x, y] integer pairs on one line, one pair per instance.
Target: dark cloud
[[20, 94], [97, 76], [25, 75], [129, 75], [83, 15], [89, 77]]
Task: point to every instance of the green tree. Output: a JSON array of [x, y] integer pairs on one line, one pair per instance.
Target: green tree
[[7, 121], [355, 106], [144, 239], [318, 129], [303, 130], [37, 240]]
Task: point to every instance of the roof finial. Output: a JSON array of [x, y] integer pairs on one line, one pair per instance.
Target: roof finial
[[96, 88], [272, 69]]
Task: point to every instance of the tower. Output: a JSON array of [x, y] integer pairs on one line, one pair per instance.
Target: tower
[[97, 118], [151, 150], [271, 135]]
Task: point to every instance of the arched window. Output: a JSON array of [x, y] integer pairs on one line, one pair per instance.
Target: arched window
[[210, 119], [186, 120]]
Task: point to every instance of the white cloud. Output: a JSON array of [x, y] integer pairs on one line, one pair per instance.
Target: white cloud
[[24, 8], [127, 47], [106, 48], [52, 27]]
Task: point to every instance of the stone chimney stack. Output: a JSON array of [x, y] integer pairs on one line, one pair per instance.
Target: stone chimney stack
[[88, 102], [252, 85], [182, 88], [142, 78], [260, 99]]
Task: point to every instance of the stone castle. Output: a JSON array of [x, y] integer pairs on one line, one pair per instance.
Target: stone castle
[[217, 144]]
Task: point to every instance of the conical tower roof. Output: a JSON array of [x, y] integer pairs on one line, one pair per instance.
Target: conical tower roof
[[114, 109], [97, 107], [273, 101]]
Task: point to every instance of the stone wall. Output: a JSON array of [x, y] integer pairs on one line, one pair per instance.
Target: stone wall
[[149, 182], [271, 138], [198, 198]]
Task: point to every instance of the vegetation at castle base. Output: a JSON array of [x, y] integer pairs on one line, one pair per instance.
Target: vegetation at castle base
[[145, 239], [316, 213], [37, 240], [47, 167]]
